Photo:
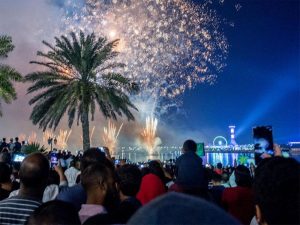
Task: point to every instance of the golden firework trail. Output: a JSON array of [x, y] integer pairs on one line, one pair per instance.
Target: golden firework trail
[[91, 136], [62, 138], [149, 138], [110, 136]]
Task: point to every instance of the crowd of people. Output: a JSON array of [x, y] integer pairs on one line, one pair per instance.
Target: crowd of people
[[92, 188]]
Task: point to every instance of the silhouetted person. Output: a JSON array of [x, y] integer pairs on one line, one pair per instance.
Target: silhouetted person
[[276, 189], [217, 188], [239, 201], [178, 209], [152, 184], [3, 144], [189, 172], [76, 194], [33, 179], [18, 146], [98, 182], [6, 185], [128, 182]]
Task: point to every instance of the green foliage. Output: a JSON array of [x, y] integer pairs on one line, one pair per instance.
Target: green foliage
[[79, 77], [34, 147], [7, 74], [6, 45]]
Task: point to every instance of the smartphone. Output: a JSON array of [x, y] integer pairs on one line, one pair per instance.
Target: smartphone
[[18, 157], [53, 159], [263, 142]]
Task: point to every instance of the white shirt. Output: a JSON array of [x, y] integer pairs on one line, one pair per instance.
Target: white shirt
[[71, 175]]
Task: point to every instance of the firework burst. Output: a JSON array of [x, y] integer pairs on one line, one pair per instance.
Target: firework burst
[[149, 139], [61, 138], [168, 46], [32, 138], [91, 136], [110, 136]]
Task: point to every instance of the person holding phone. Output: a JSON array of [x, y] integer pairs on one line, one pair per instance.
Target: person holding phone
[[263, 143], [34, 173]]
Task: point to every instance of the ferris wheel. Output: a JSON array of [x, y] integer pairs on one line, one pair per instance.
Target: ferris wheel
[[220, 141]]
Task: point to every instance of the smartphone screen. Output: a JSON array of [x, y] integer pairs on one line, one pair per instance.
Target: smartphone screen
[[117, 162], [263, 142], [53, 160], [18, 157]]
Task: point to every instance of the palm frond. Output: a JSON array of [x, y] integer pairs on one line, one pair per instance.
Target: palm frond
[[6, 45], [70, 83]]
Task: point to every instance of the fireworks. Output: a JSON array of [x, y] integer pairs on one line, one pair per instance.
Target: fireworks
[[168, 46], [61, 139], [149, 139], [22, 137], [91, 136], [46, 135], [32, 138], [110, 136]]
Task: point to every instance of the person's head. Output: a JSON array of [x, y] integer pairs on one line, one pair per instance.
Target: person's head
[[98, 181], [34, 173], [216, 179], [5, 157], [129, 179], [225, 178], [276, 189], [11, 140], [77, 163], [219, 165], [242, 176], [5, 173], [156, 169], [23, 142], [3, 139], [189, 145], [93, 155], [54, 213], [177, 208], [16, 139]]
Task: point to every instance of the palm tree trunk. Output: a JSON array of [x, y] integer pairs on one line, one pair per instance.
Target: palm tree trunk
[[85, 122], [85, 129]]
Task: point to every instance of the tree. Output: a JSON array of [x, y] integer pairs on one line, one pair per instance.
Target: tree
[[7, 74], [80, 75]]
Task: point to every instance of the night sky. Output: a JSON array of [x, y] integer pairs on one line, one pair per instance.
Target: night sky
[[261, 83], [259, 86]]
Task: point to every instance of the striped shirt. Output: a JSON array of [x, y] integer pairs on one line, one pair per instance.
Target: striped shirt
[[16, 210]]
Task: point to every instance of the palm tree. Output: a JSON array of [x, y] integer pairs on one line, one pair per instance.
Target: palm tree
[[79, 75], [7, 73]]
